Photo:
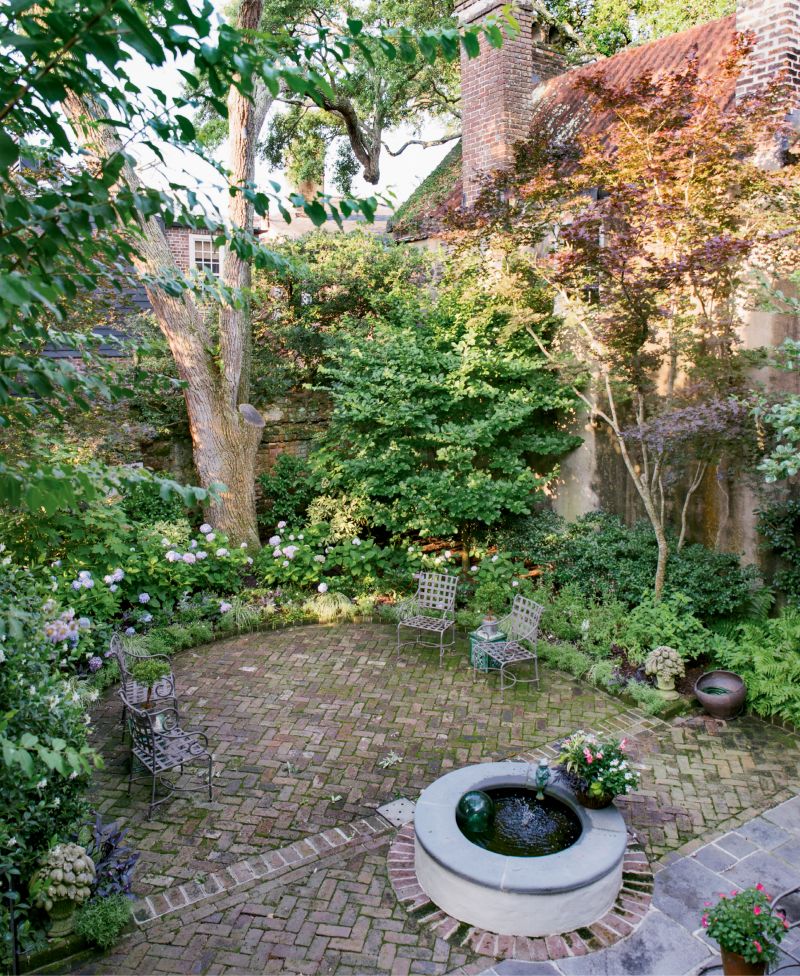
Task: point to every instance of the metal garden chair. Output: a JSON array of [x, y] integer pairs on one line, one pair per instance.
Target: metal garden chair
[[133, 693], [521, 628], [161, 746], [431, 610]]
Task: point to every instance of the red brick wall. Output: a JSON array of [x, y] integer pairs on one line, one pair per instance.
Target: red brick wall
[[178, 240], [496, 91], [776, 24]]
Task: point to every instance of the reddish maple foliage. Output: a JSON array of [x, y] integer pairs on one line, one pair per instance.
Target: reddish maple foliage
[[650, 235]]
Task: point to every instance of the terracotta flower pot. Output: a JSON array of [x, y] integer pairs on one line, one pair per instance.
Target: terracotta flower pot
[[721, 706], [735, 965]]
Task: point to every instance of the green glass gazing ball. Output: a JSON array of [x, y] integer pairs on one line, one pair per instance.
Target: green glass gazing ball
[[475, 812]]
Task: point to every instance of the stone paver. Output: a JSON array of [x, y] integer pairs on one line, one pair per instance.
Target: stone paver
[[300, 721]]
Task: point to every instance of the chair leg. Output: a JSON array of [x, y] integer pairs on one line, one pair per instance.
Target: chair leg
[[398, 641], [123, 720], [210, 772], [130, 774], [152, 798], [441, 648]]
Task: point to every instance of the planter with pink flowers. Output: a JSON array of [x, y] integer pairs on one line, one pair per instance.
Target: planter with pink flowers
[[747, 929]]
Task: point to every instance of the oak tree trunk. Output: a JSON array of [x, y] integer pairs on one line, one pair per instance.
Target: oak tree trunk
[[224, 439]]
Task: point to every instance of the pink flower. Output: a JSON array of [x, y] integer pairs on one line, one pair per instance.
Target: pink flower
[[588, 755], [757, 944], [757, 909], [785, 924], [707, 903], [759, 887], [704, 921], [622, 744]]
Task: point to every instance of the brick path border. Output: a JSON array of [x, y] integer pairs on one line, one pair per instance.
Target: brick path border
[[266, 866], [624, 918]]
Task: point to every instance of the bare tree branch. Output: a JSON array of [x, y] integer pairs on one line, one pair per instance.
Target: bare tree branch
[[425, 143]]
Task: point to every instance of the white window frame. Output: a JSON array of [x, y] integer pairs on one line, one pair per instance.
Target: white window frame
[[194, 239]]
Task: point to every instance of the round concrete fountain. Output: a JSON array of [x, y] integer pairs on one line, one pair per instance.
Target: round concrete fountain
[[525, 893]]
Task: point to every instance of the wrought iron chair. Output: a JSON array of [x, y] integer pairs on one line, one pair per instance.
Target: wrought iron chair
[[160, 746], [521, 628], [133, 693], [431, 610]]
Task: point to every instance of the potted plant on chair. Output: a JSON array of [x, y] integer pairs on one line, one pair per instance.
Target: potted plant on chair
[[747, 929], [149, 671]]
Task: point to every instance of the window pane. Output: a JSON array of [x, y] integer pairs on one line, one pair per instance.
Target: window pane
[[206, 256]]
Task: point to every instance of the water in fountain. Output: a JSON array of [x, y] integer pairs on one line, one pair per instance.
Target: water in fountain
[[526, 827]]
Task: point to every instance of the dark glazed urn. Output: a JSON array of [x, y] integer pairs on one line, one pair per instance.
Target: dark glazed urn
[[721, 706]]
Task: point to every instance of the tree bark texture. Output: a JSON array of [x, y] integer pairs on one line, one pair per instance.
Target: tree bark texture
[[224, 443]]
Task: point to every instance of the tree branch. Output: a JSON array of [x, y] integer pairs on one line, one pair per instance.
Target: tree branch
[[425, 143]]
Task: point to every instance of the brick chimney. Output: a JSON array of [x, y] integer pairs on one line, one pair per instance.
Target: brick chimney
[[776, 50], [497, 89]]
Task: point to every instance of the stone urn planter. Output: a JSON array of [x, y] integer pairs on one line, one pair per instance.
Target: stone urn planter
[[735, 965], [61, 885], [721, 693]]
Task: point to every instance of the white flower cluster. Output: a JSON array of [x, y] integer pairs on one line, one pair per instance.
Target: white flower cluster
[[115, 577]]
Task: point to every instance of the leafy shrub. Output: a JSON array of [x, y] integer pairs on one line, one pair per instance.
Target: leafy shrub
[[145, 503], [779, 525], [602, 556], [669, 621], [287, 490], [565, 657], [765, 653], [45, 758], [646, 697], [101, 921], [570, 615]]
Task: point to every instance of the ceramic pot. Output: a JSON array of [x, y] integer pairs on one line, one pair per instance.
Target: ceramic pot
[[489, 626], [735, 965], [721, 706], [62, 918]]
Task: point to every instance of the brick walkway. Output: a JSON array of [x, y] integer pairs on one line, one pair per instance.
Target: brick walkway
[[300, 721]]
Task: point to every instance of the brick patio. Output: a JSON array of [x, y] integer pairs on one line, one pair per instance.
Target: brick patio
[[300, 720]]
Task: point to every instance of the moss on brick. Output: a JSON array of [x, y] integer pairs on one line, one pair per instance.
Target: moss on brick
[[433, 191]]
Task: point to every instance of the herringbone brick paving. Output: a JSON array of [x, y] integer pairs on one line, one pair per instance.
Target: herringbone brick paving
[[299, 720]]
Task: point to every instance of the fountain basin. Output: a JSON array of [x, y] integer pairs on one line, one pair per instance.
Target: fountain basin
[[508, 895]]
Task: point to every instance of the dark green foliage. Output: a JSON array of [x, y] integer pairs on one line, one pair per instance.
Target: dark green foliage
[[446, 416], [102, 921], [287, 491], [146, 503], [779, 525], [601, 555], [334, 284], [149, 671]]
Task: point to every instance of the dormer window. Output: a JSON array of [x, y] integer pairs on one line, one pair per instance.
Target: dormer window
[[204, 255]]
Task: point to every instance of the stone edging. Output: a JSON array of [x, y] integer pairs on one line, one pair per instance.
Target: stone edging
[[623, 919], [266, 866]]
